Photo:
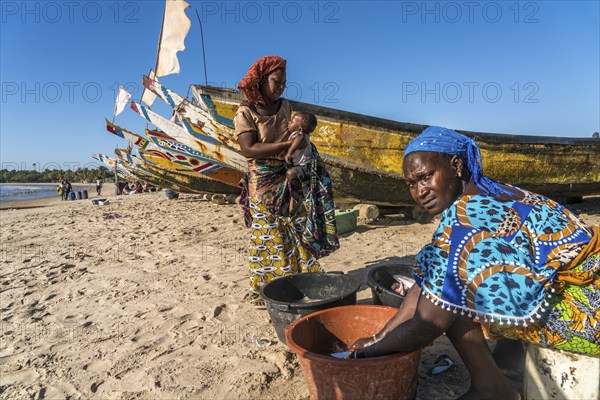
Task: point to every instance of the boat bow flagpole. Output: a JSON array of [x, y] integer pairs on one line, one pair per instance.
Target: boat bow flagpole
[[203, 54]]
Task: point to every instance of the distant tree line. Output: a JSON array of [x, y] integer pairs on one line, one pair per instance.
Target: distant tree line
[[56, 175]]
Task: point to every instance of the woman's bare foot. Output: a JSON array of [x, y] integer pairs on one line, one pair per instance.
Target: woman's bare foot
[[502, 391]]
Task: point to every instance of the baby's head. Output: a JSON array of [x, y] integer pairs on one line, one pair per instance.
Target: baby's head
[[304, 121]]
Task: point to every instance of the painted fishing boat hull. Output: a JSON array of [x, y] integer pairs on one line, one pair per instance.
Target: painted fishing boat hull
[[139, 169], [128, 172], [212, 149], [173, 179], [191, 184], [163, 168], [366, 146], [164, 152], [193, 161], [364, 154]]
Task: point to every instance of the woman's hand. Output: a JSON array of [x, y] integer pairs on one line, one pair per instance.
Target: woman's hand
[[251, 148], [363, 342]]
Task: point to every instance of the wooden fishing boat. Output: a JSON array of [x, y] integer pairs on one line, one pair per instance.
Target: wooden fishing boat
[[364, 154], [160, 165], [367, 146], [136, 167], [194, 160], [172, 176], [211, 147], [114, 165], [127, 171], [171, 154]]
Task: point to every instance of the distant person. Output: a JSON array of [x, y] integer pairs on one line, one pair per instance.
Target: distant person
[[300, 154], [99, 186], [137, 188], [59, 190], [126, 188], [63, 192], [67, 188]]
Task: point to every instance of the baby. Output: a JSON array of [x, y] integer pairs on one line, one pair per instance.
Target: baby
[[300, 154]]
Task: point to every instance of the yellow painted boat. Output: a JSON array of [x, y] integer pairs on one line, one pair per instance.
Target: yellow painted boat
[[364, 153]]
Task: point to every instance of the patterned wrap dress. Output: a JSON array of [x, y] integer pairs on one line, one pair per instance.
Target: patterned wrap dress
[[276, 247], [525, 269]]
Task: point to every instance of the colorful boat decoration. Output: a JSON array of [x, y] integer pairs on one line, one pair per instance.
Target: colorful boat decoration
[[196, 119], [219, 153], [113, 165], [173, 176], [135, 165], [196, 160], [181, 158], [131, 137], [171, 154], [128, 172]]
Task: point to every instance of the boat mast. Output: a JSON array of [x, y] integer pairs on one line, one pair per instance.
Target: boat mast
[[116, 177], [162, 26], [203, 55]]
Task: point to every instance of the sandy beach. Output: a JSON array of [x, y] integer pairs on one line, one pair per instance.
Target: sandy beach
[[141, 298]]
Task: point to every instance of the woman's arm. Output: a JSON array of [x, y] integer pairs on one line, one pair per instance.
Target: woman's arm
[[251, 148], [428, 322], [405, 312]]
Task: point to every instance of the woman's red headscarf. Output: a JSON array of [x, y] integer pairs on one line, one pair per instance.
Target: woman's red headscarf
[[262, 67]]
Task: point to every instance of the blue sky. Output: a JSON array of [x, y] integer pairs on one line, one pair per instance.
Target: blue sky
[[493, 66]]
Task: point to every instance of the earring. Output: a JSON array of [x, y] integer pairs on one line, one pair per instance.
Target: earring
[[459, 174]]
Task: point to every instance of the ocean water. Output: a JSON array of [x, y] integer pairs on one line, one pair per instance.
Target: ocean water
[[10, 192], [26, 192]]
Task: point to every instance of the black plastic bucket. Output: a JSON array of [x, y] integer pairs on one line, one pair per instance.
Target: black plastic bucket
[[85, 194], [380, 279], [291, 297]]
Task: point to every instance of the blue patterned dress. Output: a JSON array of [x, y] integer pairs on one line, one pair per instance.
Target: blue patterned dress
[[515, 267]]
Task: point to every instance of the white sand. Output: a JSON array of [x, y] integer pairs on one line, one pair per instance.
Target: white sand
[[141, 298]]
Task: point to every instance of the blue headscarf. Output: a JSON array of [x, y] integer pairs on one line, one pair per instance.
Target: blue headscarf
[[447, 141]]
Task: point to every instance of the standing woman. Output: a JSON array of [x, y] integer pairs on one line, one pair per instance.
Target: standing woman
[[276, 247]]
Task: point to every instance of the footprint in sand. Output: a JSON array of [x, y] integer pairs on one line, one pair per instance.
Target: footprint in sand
[[22, 377], [224, 313]]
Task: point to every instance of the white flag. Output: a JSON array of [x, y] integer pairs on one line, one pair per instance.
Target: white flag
[[148, 97], [122, 98], [175, 27]]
